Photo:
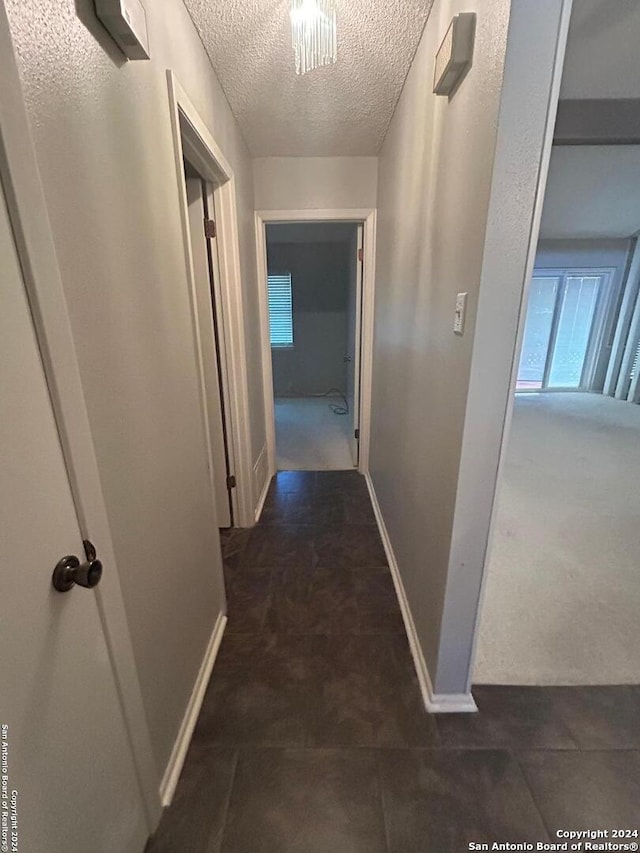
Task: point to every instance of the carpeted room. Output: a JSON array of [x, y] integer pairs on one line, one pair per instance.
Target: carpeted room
[[562, 586]]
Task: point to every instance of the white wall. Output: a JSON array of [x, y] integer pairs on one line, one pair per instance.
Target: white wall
[[592, 191], [102, 132], [303, 183], [444, 173]]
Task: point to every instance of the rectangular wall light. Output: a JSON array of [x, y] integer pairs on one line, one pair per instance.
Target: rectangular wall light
[[455, 54]]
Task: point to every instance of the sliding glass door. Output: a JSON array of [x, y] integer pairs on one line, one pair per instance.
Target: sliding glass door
[[537, 331], [563, 329]]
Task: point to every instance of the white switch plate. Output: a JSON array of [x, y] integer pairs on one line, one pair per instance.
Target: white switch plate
[[461, 310]]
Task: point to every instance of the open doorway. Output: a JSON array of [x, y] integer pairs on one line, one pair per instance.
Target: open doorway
[[562, 586], [207, 204], [316, 322], [206, 271], [313, 287]]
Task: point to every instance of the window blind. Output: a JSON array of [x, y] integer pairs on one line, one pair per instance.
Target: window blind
[[280, 310]]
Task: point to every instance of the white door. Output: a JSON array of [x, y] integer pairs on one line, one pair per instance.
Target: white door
[[354, 330], [203, 271], [65, 750]]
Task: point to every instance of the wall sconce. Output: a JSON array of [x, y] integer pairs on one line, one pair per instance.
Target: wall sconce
[[455, 54], [126, 21]]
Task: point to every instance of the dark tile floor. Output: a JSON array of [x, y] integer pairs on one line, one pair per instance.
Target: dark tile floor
[[313, 738]]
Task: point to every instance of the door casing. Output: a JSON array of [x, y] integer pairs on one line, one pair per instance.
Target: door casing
[[214, 384], [193, 141], [366, 218]]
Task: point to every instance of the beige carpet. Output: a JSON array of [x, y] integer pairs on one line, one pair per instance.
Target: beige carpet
[[310, 437], [562, 602]]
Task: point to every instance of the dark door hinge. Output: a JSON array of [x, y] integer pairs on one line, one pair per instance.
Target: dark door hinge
[[209, 228], [360, 255], [356, 434], [231, 481]]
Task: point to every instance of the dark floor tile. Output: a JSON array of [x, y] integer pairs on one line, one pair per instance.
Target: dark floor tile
[[248, 601], [585, 790], [259, 693], [357, 508], [366, 695], [316, 509], [374, 586], [243, 652], [253, 581], [233, 541], [441, 800], [378, 609], [195, 821], [602, 717], [292, 482], [275, 511], [509, 717], [380, 620], [279, 546], [305, 801], [349, 546], [318, 601], [344, 481]]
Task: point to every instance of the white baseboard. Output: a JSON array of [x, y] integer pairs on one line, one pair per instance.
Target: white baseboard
[[435, 703], [263, 498], [180, 747], [262, 480]]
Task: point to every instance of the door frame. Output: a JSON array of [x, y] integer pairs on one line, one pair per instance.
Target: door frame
[[43, 283], [357, 216], [193, 141]]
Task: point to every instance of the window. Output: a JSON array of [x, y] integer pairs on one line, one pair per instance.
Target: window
[[280, 310], [563, 329]]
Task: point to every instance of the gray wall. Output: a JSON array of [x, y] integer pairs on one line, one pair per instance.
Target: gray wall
[[602, 50], [102, 133], [320, 280], [455, 202], [592, 191], [304, 183]]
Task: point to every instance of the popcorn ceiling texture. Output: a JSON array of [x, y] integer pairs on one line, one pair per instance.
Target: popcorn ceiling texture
[[343, 109]]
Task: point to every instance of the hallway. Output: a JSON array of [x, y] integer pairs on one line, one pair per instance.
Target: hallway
[[313, 737]]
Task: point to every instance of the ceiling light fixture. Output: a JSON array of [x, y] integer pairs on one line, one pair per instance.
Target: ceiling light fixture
[[313, 31]]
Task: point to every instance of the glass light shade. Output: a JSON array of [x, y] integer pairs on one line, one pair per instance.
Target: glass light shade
[[313, 32]]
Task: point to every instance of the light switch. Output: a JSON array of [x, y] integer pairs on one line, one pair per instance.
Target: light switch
[[461, 309]]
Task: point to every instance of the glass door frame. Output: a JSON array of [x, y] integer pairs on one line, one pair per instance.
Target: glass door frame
[[596, 333]]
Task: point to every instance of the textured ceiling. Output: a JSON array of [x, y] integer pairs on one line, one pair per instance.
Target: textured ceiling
[[343, 109]]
